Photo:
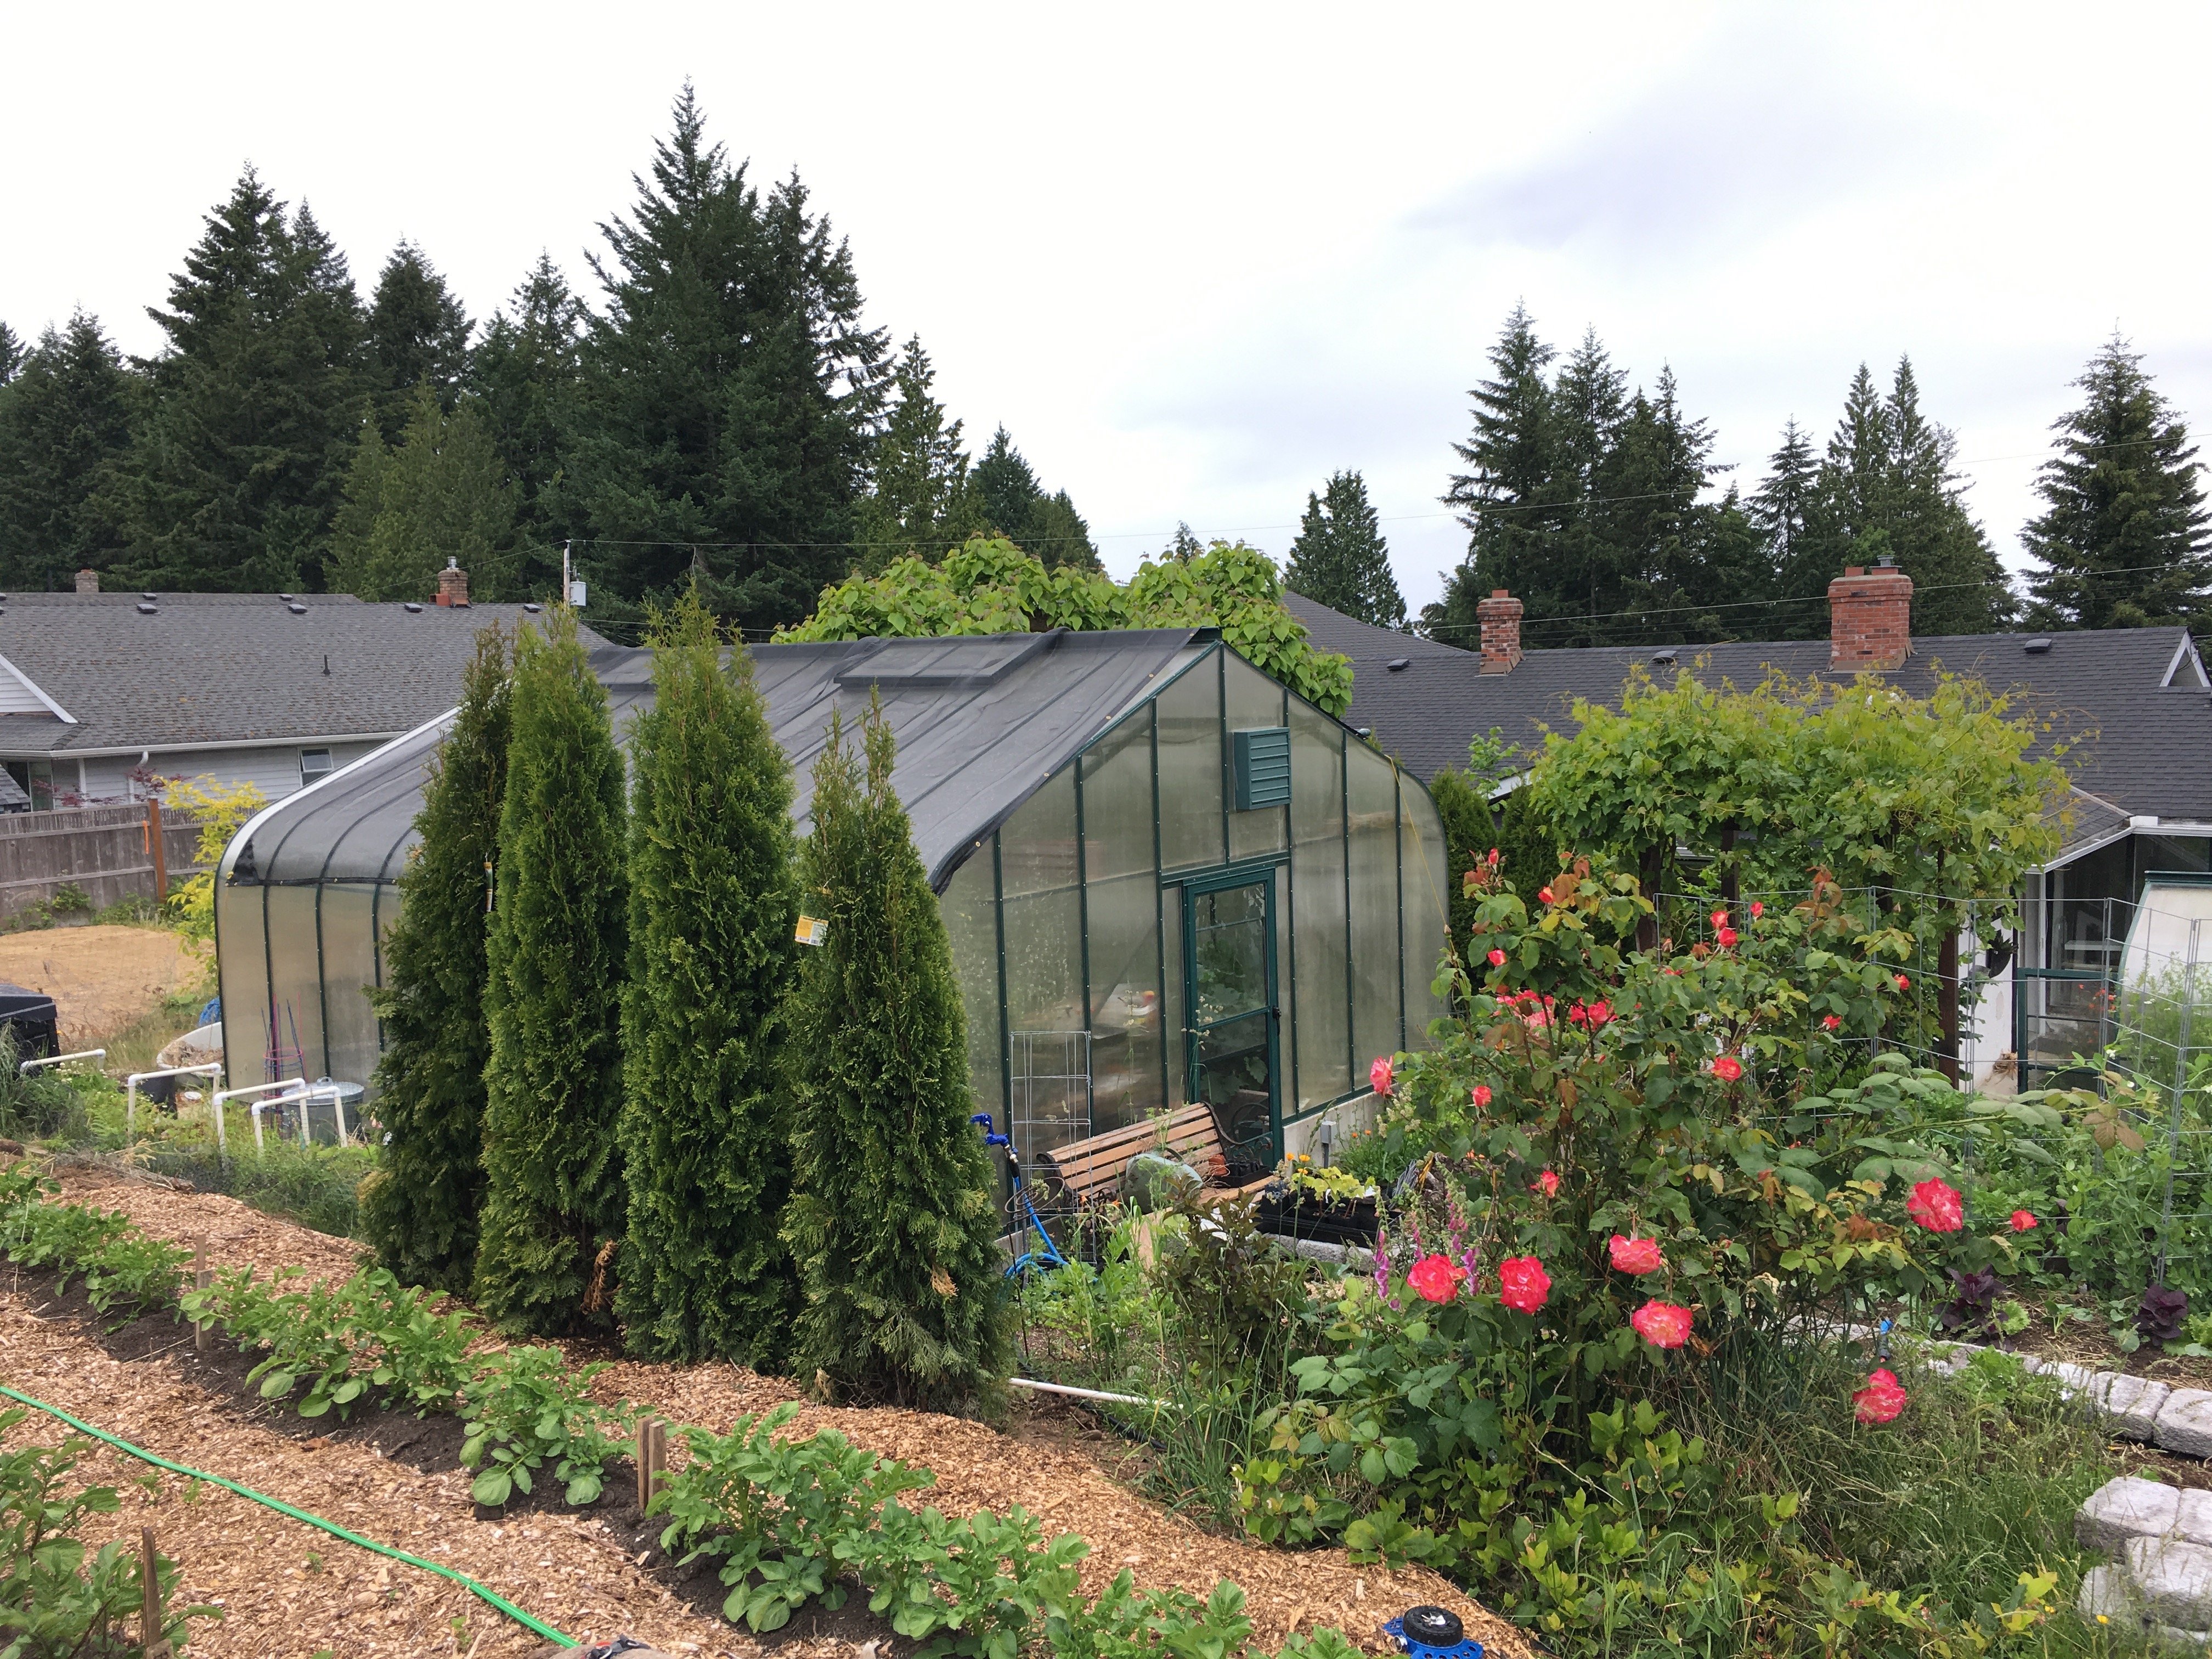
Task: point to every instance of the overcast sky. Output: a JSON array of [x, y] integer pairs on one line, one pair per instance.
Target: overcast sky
[[1196, 256]]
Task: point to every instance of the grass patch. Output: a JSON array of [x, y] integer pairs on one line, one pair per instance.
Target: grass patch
[[317, 1187]]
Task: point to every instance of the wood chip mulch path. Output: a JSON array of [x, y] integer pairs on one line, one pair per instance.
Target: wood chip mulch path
[[565, 1568]]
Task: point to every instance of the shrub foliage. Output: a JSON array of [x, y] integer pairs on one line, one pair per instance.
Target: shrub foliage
[[714, 897], [554, 1204], [419, 1209]]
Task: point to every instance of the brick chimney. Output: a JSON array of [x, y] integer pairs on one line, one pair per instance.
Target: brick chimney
[[1869, 619], [1500, 616], [453, 585], [88, 581]]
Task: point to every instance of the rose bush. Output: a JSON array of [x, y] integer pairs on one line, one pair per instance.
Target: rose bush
[[1629, 1195]]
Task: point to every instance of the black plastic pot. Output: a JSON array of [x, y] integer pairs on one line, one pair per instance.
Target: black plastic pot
[[1302, 1215]]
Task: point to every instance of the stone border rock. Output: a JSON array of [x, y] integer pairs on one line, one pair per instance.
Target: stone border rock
[[2161, 1576]]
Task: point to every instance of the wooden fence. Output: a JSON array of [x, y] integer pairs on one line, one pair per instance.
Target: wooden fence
[[107, 852]]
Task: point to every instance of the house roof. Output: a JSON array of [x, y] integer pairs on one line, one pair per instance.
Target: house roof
[[2133, 702], [92, 673], [981, 722]]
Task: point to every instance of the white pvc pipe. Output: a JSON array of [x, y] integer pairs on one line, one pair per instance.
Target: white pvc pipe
[[305, 1093], [1085, 1394], [130, 1086], [30, 1065], [215, 1105]]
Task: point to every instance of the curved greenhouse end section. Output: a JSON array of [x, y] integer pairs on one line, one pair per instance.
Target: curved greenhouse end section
[[1168, 879]]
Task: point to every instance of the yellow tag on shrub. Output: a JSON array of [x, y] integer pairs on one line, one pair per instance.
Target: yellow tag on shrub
[[811, 930]]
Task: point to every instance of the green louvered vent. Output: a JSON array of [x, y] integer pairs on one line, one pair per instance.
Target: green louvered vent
[[1263, 767]]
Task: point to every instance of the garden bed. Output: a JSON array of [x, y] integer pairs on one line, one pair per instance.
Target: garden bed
[[387, 1475]]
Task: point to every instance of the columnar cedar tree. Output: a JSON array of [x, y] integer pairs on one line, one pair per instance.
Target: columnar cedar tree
[[892, 1219], [419, 1209], [1339, 557], [713, 899], [2122, 538], [554, 1205], [442, 492]]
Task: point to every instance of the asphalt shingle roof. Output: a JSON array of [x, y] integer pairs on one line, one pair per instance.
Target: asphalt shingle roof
[[2139, 745], [214, 668]]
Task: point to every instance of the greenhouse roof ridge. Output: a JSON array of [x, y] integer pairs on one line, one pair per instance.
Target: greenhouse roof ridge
[[981, 722]]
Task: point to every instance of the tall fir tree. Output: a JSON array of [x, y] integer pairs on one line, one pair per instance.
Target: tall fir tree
[[920, 499], [892, 1220], [418, 1211], [441, 494], [1010, 500], [236, 471], [1781, 511], [418, 338], [12, 353], [66, 422], [523, 376], [1509, 497], [554, 1207], [1959, 587], [2122, 538], [728, 394], [714, 898], [1339, 558]]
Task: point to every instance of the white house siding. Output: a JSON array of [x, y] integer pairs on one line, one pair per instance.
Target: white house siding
[[273, 770]]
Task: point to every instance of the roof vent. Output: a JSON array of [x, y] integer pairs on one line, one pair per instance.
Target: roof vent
[[411, 608], [146, 609], [287, 598], [1397, 663], [1665, 659], [150, 596], [532, 608], [297, 609], [2038, 646]]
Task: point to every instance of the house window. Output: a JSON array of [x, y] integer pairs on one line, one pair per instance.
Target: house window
[[314, 766]]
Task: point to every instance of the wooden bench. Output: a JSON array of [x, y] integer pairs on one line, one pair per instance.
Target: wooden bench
[[1088, 1172]]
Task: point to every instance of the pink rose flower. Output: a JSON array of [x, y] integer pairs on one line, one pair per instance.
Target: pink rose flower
[[1936, 1204], [1522, 1283], [1436, 1278], [1546, 1183], [1728, 1068], [1904, 983], [1757, 909], [1662, 1324], [1720, 918], [1378, 1076], [1634, 1255], [1830, 1022], [1545, 894], [1481, 1094], [2022, 1220], [1881, 1399], [1728, 939], [1497, 957]]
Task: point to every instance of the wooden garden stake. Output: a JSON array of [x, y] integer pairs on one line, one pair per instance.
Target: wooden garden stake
[[200, 1277], [659, 1451], [149, 1592], [643, 1457]]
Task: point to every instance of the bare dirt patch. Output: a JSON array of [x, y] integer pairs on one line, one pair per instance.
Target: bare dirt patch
[[101, 979]]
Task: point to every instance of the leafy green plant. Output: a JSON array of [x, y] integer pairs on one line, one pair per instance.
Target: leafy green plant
[[69, 899], [123, 1269], [974, 1588], [776, 1510], [527, 1407], [53, 1601], [418, 1357], [309, 1337]]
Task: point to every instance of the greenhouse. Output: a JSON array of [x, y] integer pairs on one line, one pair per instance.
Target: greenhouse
[[1167, 880]]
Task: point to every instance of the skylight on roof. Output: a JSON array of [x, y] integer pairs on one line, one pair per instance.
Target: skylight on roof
[[971, 660]]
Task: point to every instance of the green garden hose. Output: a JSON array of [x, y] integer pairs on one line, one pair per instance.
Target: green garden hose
[[331, 1527]]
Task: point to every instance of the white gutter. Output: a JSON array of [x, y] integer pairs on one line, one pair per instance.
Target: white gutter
[[120, 750]]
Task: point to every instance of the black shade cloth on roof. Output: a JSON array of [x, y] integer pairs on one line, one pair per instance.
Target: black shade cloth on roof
[[32, 1016], [981, 722]]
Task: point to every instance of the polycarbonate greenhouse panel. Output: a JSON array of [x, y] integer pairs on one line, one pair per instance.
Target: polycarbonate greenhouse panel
[[1322, 993], [1371, 845], [1192, 832], [971, 909], [1424, 870]]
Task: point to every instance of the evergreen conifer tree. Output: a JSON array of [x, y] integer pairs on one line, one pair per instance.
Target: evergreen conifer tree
[[2122, 537], [12, 353], [728, 394], [418, 337], [443, 493], [419, 1210], [1958, 585], [523, 377], [892, 1219], [1010, 500], [1513, 462], [1781, 511], [1339, 558], [236, 471], [554, 1209], [920, 499], [64, 425], [714, 898]]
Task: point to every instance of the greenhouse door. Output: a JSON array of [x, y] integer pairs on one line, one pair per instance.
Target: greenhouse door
[[1233, 1037]]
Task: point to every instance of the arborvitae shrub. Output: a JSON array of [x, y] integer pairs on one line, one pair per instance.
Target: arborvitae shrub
[[554, 1205], [892, 1218], [714, 898], [419, 1209]]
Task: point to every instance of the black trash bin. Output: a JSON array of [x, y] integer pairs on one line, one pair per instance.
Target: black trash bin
[[31, 1019]]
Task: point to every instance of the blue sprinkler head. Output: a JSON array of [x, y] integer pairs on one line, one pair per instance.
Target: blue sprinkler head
[[1428, 1632]]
